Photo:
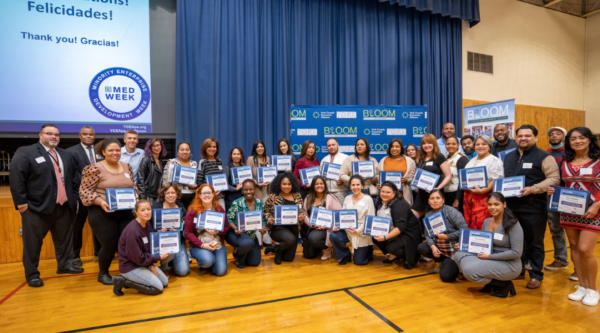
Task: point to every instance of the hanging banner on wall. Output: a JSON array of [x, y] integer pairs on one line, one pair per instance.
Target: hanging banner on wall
[[481, 119], [346, 123]]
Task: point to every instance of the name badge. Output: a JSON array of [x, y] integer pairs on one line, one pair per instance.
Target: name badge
[[585, 171], [360, 204], [127, 175], [145, 240], [498, 236], [40, 159], [429, 164], [527, 165], [220, 167]]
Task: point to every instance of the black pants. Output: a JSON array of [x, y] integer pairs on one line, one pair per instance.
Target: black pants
[[108, 227], [247, 249], [287, 237], [315, 243], [80, 218], [448, 271], [534, 230], [36, 227], [393, 245]]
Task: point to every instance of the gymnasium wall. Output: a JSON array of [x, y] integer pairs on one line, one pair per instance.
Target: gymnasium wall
[[592, 73]]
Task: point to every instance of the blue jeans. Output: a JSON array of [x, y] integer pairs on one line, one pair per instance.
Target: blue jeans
[[216, 259], [144, 276], [180, 260], [247, 250], [558, 238], [362, 255]]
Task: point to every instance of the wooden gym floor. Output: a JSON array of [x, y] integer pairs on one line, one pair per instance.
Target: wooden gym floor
[[303, 296]]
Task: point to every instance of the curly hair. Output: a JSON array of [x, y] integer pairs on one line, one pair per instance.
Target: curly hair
[[148, 148], [276, 184], [101, 146], [594, 151], [197, 205], [165, 187]]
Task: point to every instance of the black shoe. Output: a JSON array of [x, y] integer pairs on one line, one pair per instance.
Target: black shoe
[[389, 261], [105, 279], [503, 288], [70, 270], [407, 266], [119, 283], [487, 289], [278, 256], [240, 266], [35, 282], [345, 260], [77, 263], [270, 249], [142, 288]]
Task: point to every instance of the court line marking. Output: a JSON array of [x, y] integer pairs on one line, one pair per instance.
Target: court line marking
[[375, 312], [247, 305]]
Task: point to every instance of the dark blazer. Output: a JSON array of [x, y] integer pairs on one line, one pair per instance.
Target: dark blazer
[[410, 228], [35, 183], [80, 156]]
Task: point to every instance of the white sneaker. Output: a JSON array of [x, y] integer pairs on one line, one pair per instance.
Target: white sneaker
[[591, 298], [579, 294]]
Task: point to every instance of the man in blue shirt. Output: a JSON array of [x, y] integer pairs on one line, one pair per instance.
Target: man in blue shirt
[[130, 153], [447, 132]]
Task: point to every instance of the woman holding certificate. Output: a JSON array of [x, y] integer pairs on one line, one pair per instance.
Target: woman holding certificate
[[439, 246], [183, 159], [412, 151], [149, 174], [475, 200], [236, 159], [210, 164], [457, 161], [497, 270], [581, 170], [284, 229], [245, 243], [397, 161], [285, 148], [308, 159], [361, 244], [405, 234], [259, 159], [362, 152], [207, 246], [317, 238], [431, 160], [108, 220], [136, 262]]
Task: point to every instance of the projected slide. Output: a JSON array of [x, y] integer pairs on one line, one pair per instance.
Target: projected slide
[[75, 63]]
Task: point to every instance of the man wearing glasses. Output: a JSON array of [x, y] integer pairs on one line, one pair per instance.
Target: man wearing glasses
[[42, 187]]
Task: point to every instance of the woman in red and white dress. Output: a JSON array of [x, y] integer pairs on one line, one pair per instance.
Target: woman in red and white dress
[[581, 170]]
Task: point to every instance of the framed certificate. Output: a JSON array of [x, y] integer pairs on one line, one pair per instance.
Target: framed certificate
[[120, 198], [265, 174], [424, 180], [286, 215], [365, 169], [476, 241], [502, 154], [391, 176], [436, 223], [345, 219], [321, 217], [218, 182], [250, 220], [569, 201], [282, 162], [164, 242], [510, 186], [331, 171], [210, 220], [471, 177], [239, 174], [166, 218], [377, 226], [184, 175], [306, 175]]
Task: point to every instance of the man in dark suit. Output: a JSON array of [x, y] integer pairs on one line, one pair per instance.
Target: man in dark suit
[[84, 155], [42, 187]]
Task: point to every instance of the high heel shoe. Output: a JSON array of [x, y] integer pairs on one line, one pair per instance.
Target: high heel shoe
[[487, 289], [503, 288], [105, 278], [278, 256], [345, 260]]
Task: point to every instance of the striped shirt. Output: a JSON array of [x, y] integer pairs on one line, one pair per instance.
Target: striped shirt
[[208, 167]]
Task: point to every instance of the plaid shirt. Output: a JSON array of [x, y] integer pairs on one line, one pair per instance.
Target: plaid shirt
[[240, 205]]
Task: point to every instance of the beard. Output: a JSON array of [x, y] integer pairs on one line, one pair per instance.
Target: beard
[[469, 151]]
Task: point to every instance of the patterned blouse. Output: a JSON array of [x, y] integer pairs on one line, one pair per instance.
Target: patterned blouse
[[240, 205], [168, 173], [277, 200], [96, 179], [582, 177]]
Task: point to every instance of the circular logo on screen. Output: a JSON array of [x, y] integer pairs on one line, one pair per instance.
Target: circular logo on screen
[[119, 93]]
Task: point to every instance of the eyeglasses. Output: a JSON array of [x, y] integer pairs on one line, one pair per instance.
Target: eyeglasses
[[51, 134], [206, 193]]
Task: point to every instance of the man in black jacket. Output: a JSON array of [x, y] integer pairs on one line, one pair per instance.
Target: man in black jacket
[[540, 171], [42, 187]]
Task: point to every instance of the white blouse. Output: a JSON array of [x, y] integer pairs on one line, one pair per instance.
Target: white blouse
[[493, 166], [363, 208]]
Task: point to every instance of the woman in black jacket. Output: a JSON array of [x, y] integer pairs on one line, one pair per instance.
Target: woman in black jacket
[[149, 174]]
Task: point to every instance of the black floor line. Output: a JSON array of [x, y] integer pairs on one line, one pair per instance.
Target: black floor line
[[257, 303], [385, 320]]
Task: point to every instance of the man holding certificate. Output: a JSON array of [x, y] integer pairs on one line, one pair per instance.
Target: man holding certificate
[[530, 208], [335, 186]]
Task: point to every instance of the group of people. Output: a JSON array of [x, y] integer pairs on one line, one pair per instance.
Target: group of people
[[56, 190]]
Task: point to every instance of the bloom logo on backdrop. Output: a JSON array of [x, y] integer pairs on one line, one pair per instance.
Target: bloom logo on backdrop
[[376, 114], [119, 93], [340, 132], [296, 114], [379, 148]]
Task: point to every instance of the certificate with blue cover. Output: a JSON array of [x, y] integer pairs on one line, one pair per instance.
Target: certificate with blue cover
[[218, 182], [239, 174], [120, 198], [365, 169], [471, 177], [331, 171], [436, 223], [286, 215], [321, 217], [167, 218], [502, 154], [391, 176], [424, 180], [265, 174], [306, 175], [164, 242], [184, 175], [250, 221], [569, 201], [210, 220], [377, 226], [509, 186], [345, 219], [282, 162], [476, 241]]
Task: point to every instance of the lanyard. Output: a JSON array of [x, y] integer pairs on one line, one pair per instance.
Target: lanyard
[[55, 161]]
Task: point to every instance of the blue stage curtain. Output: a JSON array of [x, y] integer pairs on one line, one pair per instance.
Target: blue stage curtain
[[241, 64], [467, 10]]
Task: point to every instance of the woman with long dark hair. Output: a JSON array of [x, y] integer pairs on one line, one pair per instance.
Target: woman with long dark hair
[[453, 196], [396, 160], [259, 159], [285, 148], [236, 159], [308, 159], [149, 174], [362, 152], [210, 164]]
